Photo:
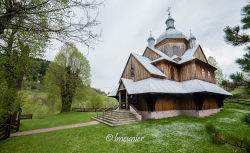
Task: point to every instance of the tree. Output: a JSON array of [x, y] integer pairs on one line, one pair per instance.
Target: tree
[[16, 56], [26, 26], [235, 37], [69, 71], [238, 79], [245, 61], [218, 73], [64, 20]]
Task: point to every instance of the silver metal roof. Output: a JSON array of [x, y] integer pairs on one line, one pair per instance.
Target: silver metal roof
[[187, 56], [163, 56], [155, 85], [170, 33], [147, 64], [113, 93]]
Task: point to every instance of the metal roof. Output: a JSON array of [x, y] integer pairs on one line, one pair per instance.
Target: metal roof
[[114, 92], [147, 64], [187, 56], [170, 33], [155, 85]]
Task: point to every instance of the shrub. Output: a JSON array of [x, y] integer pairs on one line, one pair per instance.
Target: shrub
[[246, 118], [216, 135], [95, 102], [246, 144]]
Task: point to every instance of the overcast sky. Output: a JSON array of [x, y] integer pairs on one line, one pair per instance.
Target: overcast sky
[[126, 25]]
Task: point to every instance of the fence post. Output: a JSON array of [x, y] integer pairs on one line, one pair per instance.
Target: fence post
[[18, 121], [8, 127], [7, 131]]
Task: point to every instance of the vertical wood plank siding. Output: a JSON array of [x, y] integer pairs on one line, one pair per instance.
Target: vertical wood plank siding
[[150, 54], [199, 68], [139, 71], [170, 102], [165, 67], [199, 54], [168, 46]]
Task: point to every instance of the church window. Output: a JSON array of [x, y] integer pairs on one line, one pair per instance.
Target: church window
[[209, 76], [132, 72], [172, 73], [203, 73]]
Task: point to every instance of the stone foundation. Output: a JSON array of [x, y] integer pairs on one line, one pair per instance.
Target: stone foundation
[[172, 113]]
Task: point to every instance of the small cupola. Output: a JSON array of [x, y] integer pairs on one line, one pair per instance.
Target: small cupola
[[151, 41], [170, 22], [192, 40]]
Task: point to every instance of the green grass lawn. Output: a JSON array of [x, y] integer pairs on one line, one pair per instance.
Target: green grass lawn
[[177, 134], [236, 105], [56, 120]]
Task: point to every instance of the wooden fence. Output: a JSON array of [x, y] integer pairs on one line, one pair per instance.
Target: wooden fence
[[88, 109], [4, 131], [26, 116], [13, 122]]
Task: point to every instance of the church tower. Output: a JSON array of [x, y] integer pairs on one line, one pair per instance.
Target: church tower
[[172, 42]]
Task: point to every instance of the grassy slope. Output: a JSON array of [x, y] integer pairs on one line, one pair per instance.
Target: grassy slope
[[57, 120], [238, 91], [241, 96], [235, 105], [177, 134]]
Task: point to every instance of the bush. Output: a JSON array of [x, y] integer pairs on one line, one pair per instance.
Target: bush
[[246, 144], [246, 118], [96, 102], [38, 103], [216, 135]]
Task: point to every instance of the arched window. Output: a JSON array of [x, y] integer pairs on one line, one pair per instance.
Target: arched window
[[172, 73], [203, 74], [209, 76]]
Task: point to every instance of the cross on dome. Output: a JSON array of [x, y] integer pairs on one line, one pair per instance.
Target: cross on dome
[[168, 10]]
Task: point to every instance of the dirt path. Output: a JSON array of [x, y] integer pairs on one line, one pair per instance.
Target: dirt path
[[53, 128]]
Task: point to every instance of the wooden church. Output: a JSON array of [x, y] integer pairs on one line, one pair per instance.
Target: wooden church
[[171, 78]]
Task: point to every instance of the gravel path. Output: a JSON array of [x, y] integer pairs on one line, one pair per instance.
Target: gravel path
[[53, 128]]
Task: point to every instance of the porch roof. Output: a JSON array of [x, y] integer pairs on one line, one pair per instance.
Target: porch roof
[[155, 85]]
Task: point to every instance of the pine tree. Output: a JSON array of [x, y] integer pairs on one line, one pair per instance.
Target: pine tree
[[236, 37]]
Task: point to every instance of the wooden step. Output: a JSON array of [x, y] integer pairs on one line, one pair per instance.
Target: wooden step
[[116, 117]]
